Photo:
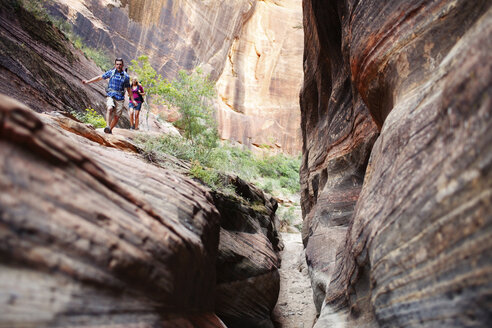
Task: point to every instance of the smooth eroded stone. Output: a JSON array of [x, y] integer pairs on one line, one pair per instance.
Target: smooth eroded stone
[[417, 213]]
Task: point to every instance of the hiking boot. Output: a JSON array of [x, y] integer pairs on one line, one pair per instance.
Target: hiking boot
[[107, 130]]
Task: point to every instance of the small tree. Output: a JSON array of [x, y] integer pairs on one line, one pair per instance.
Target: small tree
[[191, 93], [154, 83]]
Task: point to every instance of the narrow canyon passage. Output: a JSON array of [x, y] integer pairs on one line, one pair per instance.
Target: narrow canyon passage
[[295, 307]]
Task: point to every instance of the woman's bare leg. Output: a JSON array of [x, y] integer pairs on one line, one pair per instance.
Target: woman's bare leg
[[137, 114], [131, 117]]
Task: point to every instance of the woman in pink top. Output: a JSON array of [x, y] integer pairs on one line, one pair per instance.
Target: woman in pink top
[[138, 93]]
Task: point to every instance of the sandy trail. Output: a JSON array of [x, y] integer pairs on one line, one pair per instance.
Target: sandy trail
[[295, 307]]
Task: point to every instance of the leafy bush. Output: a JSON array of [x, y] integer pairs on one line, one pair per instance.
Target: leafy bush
[[155, 85], [63, 25], [100, 57], [36, 8], [91, 117], [190, 93], [172, 145], [281, 178], [209, 176]]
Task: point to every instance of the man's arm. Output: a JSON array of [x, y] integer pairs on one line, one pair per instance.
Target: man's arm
[[94, 79]]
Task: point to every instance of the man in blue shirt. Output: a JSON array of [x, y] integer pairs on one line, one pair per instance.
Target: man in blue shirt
[[119, 80]]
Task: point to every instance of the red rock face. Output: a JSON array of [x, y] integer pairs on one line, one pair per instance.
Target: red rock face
[[404, 240], [338, 134], [258, 103]]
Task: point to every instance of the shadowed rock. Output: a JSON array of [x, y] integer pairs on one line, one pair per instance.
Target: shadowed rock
[[248, 280]]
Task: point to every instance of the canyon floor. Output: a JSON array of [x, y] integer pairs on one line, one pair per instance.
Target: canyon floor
[[295, 307]]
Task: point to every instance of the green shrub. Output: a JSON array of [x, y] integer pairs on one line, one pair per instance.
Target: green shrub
[[267, 186], [155, 86], [282, 178], [36, 8], [191, 93], [90, 117], [208, 176], [172, 145], [100, 57], [63, 25]]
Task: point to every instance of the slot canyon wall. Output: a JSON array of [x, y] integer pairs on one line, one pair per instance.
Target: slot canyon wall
[[256, 61], [396, 176]]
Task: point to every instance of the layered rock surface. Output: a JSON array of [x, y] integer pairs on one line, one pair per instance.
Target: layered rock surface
[[100, 238], [255, 60], [40, 68], [396, 173], [248, 281], [92, 234]]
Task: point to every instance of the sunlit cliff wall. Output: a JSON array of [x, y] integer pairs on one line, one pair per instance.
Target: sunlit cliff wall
[[260, 83], [256, 60]]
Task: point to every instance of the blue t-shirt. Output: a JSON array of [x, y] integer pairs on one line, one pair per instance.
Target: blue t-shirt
[[117, 83]]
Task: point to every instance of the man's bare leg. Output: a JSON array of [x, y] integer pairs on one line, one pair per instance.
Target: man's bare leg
[[114, 121], [109, 112]]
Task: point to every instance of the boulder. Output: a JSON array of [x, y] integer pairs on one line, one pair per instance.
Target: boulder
[[248, 280], [94, 234]]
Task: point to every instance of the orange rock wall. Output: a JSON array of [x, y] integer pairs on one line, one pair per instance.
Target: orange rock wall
[[259, 86], [252, 48]]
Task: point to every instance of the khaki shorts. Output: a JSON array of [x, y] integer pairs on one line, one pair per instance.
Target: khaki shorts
[[117, 104]]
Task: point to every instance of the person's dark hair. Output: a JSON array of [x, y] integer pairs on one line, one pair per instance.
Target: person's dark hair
[[119, 59]]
